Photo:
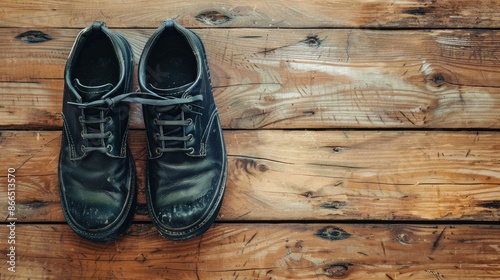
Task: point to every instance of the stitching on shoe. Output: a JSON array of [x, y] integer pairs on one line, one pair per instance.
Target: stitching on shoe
[[73, 153], [123, 151], [206, 133]]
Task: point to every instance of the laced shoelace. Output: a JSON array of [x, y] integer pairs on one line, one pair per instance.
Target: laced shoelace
[[185, 107], [161, 104], [95, 135]]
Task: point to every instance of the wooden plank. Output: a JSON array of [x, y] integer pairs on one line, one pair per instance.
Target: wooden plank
[[305, 175], [313, 78], [262, 251], [240, 13]]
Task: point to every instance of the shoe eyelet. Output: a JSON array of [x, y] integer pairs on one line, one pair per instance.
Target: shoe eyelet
[[190, 121], [109, 148], [155, 121], [158, 152], [109, 119], [109, 134], [80, 119], [81, 133], [82, 148], [191, 151], [190, 137], [156, 136]]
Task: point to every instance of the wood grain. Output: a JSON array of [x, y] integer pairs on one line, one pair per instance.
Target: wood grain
[[363, 140], [239, 13], [264, 251], [306, 175], [313, 78]]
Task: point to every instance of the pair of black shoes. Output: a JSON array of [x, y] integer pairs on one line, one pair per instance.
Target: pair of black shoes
[[186, 157]]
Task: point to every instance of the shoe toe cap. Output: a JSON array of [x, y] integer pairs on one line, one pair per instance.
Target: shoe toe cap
[[95, 215], [181, 215]]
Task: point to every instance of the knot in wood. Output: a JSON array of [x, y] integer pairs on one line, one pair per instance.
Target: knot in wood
[[337, 269], [404, 239], [312, 40], [438, 79], [33, 37], [212, 17], [333, 233]]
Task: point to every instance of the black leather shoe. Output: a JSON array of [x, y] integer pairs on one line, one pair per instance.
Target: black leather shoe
[[186, 167], [97, 179]]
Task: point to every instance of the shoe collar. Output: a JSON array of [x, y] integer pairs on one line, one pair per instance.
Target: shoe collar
[[193, 42], [97, 26]]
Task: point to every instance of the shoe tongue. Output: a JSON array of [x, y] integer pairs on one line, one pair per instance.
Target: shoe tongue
[[175, 92], [91, 93]]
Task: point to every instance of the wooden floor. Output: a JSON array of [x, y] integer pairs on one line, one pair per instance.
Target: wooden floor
[[363, 140]]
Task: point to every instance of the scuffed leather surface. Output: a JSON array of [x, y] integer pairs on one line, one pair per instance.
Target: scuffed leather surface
[[185, 190], [97, 189], [95, 194]]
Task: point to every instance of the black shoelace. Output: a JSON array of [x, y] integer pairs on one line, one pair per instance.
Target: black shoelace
[[94, 117], [163, 124], [93, 121]]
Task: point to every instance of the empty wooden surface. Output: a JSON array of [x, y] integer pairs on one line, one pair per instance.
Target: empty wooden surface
[[363, 140], [267, 251], [259, 13], [312, 78]]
